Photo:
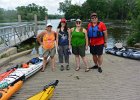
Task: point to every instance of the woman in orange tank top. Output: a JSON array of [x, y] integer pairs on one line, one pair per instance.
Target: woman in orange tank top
[[47, 40]]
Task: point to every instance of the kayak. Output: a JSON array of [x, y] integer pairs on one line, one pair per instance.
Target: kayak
[[8, 71], [46, 93], [6, 93], [127, 53], [12, 78], [19, 72]]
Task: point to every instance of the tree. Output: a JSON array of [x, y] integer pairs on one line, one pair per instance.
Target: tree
[[74, 11], [1, 14], [27, 12], [63, 6]]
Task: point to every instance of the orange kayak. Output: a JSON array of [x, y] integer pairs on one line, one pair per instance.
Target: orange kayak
[[6, 93]]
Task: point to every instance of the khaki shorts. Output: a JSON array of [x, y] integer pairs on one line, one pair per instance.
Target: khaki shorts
[[50, 52]]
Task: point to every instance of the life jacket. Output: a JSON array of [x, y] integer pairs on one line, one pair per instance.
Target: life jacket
[[49, 41], [94, 32], [25, 65]]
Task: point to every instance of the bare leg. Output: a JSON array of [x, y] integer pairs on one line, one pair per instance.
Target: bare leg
[[77, 59], [95, 59], [85, 61], [53, 63], [100, 60], [44, 63]]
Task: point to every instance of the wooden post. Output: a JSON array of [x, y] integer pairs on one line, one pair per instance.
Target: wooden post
[[46, 18], [19, 19], [35, 19], [37, 44]]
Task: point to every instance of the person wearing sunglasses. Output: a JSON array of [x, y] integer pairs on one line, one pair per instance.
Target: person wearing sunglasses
[[97, 34], [63, 44], [79, 41], [47, 39]]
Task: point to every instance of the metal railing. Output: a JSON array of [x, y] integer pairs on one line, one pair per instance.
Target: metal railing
[[14, 35]]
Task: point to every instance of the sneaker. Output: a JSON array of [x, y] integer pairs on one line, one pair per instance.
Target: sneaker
[[67, 67], [62, 68], [99, 69], [94, 67]]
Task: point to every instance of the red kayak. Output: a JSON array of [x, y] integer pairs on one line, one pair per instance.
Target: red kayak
[[8, 71]]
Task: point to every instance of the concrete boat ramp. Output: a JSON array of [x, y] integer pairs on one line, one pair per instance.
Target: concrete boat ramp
[[120, 80]]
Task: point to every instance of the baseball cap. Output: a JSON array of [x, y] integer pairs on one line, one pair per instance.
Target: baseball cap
[[49, 24], [63, 20], [93, 14]]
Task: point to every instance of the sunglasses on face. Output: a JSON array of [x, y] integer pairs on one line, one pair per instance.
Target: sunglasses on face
[[93, 16], [78, 22]]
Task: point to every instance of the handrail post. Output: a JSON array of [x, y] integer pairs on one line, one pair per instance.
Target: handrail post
[[35, 19], [19, 19], [46, 19]]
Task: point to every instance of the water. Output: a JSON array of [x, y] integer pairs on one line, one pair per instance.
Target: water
[[117, 31]]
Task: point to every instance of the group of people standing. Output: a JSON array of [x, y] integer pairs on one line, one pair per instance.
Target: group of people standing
[[78, 39]]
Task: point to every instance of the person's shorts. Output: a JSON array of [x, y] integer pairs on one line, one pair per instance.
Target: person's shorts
[[78, 50], [50, 52], [97, 49]]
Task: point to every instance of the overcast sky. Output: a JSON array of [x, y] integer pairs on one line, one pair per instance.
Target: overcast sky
[[51, 5]]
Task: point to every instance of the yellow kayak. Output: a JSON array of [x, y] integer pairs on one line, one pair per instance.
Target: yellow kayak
[[46, 93]]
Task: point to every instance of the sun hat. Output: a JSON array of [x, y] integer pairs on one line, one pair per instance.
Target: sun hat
[[78, 20], [49, 24]]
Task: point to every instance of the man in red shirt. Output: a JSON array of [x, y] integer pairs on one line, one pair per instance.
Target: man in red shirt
[[97, 34]]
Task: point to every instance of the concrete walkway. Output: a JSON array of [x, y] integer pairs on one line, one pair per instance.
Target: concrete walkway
[[120, 80]]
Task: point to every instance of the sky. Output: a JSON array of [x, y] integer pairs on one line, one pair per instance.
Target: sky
[[51, 5]]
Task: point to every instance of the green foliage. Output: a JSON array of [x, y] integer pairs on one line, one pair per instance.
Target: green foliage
[[8, 15], [74, 11], [27, 12], [1, 13], [106, 9], [135, 37], [63, 6]]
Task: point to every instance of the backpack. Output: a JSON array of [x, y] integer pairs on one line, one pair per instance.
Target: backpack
[[94, 32]]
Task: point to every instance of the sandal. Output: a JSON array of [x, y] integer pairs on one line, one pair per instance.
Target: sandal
[[77, 69], [42, 70], [87, 70]]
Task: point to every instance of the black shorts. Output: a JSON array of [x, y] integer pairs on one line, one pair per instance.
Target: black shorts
[[97, 49], [79, 50]]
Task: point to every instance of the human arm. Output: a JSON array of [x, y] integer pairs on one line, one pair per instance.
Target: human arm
[[86, 37], [105, 38], [57, 33], [69, 36], [39, 38], [104, 30]]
